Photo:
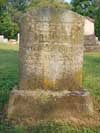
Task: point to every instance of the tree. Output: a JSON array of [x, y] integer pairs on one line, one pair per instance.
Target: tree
[[97, 23], [97, 3], [2, 6], [2, 2], [13, 9], [7, 27], [23, 5], [89, 8], [97, 19], [84, 7], [48, 3], [20, 5]]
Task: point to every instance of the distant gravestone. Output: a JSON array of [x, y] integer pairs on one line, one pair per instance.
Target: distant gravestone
[[5, 41], [18, 38], [12, 42], [51, 60], [1, 38]]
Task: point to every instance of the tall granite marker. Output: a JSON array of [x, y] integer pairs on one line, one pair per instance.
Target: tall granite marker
[[51, 60]]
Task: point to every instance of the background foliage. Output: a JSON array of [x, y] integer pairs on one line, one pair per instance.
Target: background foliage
[[11, 10], [89, 8], [7, 27]]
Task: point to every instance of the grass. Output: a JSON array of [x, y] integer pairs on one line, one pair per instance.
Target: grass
[[9, 76], [50, 127], [8, 71], [91, 74]]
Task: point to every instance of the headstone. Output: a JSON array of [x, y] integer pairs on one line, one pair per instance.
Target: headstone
[[1, 38], [97, 41], [51, 60], [51, 51], [5, 41], [90, 42], [18, 38], [12, 42]]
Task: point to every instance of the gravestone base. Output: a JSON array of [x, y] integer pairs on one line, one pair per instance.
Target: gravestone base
[[29, 107], [92, 48]]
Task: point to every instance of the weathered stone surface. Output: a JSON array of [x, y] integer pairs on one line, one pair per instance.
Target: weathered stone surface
[[32, 106], [51, 50], [51, 60]]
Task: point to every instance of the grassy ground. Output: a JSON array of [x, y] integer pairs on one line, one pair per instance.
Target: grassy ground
[[9, 76], [91, 74], [8, 71]]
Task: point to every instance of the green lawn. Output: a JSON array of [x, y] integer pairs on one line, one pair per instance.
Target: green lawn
[[91, 74], [8, 71], [9, 76]]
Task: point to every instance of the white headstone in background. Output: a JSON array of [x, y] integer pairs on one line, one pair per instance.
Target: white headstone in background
[[1, 38], [12, 41], [18, 37], [5, 41], [89, 27]]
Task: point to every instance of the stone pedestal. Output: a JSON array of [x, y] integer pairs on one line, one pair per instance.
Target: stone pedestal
[[90, 40], [32, 106], [91, 44]]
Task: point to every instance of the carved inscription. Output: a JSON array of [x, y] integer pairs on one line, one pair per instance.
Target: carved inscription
[[54, 32], [51, 51]]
